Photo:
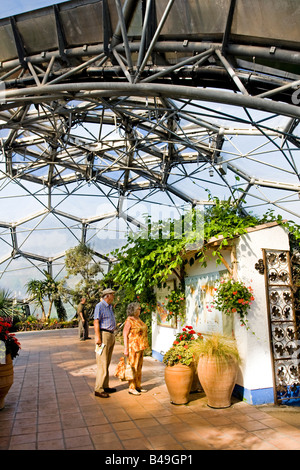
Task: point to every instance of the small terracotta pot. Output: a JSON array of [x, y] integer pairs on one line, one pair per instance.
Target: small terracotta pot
[[218, 380], [179, 380], [6, 379]]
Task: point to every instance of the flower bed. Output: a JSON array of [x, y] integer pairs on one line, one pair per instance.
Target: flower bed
[[34, 324]]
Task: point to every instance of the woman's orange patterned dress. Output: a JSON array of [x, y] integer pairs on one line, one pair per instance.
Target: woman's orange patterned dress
[[137, 343]]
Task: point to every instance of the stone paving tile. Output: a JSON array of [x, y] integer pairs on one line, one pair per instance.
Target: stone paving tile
[[51, 406]]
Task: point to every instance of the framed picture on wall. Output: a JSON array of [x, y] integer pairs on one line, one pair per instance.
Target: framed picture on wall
[[161, 310], [199, 296]]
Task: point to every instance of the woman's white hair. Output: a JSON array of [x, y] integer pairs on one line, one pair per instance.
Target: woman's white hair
[[131, 308]]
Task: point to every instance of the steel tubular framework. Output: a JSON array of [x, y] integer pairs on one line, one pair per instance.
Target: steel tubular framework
[[109, 105]]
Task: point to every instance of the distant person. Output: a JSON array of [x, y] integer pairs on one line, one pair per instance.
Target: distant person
[[83, 320], [105, 325], [135, 342]]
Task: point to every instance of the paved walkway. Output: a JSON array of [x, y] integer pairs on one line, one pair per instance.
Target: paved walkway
[[51, 406]]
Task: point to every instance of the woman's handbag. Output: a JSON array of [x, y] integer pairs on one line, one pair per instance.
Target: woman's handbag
[[124, 371], [129, 372]]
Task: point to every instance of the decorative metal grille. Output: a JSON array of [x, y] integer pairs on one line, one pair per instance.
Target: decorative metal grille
[[283, 330]]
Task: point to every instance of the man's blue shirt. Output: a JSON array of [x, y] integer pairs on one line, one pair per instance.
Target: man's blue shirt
[[104, 313]]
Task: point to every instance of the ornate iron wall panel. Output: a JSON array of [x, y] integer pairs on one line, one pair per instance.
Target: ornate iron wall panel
[[283, 330]]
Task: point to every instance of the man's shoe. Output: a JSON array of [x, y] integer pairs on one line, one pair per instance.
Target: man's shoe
[[142, 390], [110, 390], [101, 394]]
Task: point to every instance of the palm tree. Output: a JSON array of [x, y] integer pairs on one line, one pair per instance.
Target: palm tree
[[44, 289], [36, 289], [6, 303]]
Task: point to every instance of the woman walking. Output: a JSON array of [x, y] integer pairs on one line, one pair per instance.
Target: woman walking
[[135, 342]]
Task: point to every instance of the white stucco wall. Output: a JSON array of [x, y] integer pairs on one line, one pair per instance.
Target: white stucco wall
[[256, 369]]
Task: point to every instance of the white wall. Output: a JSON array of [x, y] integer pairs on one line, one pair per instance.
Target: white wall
[[254, 344]]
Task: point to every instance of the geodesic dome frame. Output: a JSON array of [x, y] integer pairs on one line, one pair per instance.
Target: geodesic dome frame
[[112, 109]]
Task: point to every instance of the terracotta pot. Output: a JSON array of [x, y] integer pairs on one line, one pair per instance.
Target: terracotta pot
[[179, 380], [6, 379], [196, 385], [217, 380]]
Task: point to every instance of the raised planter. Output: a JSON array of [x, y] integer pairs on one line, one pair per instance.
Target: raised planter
[[6, 379]]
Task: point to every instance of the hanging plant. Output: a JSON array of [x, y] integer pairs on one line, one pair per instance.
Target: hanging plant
[[176, 304], [233, 296]]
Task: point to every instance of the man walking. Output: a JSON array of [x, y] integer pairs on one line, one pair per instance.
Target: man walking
[[105, 325], [83, 321]]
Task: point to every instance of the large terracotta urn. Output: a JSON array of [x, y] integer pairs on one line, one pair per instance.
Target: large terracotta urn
[[6, 379], [179, 379], [218, 378]]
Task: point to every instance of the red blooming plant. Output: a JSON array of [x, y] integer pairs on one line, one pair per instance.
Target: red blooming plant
[[11, 343], [184, 349], [233, 297], [187, 334]]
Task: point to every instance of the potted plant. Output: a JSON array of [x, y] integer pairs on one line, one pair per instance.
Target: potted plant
[[232, 296], [192, 337], [9, 349], [179, 372], [217, 369], [180, 366]]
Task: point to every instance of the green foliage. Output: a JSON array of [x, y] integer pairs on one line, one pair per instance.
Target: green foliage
[[179, 354], [79, 261], [149, 258], [45, 289], [143, 263], [60, 309], [34, 324], [6, 303]]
